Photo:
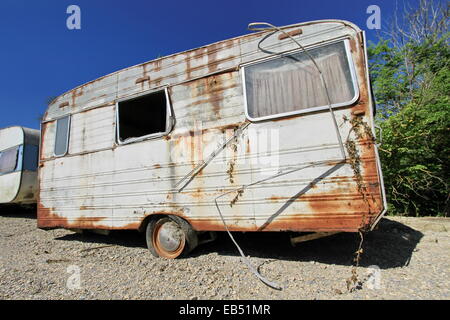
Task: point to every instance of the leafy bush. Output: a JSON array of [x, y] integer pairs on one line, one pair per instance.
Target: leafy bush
[[411, 82], [415, 152]]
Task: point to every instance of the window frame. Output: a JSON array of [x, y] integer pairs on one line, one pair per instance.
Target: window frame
[[354, 81], [169, 117], [69, 116]]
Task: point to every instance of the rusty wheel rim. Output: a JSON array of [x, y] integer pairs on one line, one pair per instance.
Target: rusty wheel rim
[[168, 239]]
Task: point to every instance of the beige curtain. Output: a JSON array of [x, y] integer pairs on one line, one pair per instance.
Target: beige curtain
[[296, 85]]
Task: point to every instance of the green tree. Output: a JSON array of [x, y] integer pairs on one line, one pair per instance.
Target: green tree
[[411, 78]]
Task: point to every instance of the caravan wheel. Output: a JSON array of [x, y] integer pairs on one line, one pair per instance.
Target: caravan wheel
[[170, 237]]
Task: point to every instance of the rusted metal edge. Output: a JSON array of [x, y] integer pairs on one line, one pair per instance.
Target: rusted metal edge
[[363, 42]]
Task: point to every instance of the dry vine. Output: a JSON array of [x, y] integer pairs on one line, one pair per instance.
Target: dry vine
[[360, 128]]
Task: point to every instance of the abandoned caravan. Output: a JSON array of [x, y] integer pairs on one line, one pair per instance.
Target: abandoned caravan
[[18, 166], [270, 131]]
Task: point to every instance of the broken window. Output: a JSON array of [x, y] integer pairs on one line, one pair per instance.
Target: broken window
[[143, 117], [290, 84], [62, 136], [8, 160]]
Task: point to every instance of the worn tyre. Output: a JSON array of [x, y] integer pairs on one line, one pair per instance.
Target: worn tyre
[[170, 237]]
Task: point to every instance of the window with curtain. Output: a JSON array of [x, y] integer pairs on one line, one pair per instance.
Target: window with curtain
[[291, 84]]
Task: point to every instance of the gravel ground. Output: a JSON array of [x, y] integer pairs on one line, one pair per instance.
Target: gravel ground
[[411, 255]]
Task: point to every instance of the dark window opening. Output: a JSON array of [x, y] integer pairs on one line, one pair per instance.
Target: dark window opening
[[142, 116], [30, 157]]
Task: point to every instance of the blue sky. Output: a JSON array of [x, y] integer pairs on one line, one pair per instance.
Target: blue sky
[[41, 58]]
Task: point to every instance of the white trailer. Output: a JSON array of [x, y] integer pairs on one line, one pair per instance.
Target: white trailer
[[19, 149]]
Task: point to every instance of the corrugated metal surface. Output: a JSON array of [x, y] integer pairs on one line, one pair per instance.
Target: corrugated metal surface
[[102, 185]]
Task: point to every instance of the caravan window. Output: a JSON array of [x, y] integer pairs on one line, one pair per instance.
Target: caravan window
[[290, 84], [143, 117], [8, 160], [62, 136]]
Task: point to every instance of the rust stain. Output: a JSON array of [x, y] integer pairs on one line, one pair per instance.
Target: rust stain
[[145, 77], [197, 194], [211, 90], [353, 45], [46, 218], [83, 222], [44, 127], [228, 44], [211, 52], [319, 205], [156, 82], [290, 33], [316, 224], [187, 59], [371, 188], [224, 128], [215, 97], [142, 79], [157, 65], [359, 111], [78, 92], [275, 198], [247, 147]]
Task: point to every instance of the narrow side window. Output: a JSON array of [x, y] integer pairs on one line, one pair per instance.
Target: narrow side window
[[62, 136], [143, 117], [8, 160]]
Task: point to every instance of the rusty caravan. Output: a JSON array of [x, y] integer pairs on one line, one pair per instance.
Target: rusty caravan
[[240, 135]]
